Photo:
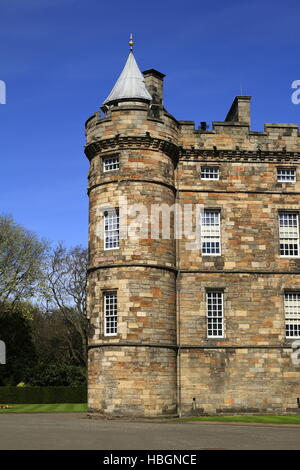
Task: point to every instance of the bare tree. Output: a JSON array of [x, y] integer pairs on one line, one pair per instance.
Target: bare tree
[[22, 257], [66, 280]]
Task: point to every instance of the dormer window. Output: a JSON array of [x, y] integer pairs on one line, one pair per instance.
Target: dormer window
[[111, 163], [209, 172], [286, 175]]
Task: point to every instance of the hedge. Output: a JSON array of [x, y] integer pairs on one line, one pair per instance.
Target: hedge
[[33, 395]]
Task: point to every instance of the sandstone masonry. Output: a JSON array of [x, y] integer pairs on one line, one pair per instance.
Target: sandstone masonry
[[162, 360]]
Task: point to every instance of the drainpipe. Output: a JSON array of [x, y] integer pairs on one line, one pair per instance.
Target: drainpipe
[[178, 320]]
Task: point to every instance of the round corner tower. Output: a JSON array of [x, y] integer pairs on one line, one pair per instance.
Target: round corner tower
[[132, 278]]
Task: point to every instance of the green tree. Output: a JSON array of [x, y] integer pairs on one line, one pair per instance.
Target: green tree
[[15, 331], [22, 257], [55, 375], [66, 290], [52, 335]]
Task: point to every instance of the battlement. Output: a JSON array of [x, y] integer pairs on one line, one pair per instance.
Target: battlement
[[235, 132]]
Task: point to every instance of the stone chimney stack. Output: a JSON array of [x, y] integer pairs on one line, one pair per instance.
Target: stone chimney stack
[[154, 81], [240, 110]]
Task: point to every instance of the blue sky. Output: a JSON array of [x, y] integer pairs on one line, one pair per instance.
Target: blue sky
[[60, 59]]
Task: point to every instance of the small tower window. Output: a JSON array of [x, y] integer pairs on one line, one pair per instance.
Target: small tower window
[[111, 164], [210, 232], [286, 175], [111, 229], [289, 233], [215, 314], [110, 313], [292, 314], [210, 173]]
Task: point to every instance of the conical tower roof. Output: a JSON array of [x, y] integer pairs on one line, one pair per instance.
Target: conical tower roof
[[130, 84]]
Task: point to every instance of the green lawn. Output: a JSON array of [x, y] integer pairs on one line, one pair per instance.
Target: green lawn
[[247, 419], [47, 408]]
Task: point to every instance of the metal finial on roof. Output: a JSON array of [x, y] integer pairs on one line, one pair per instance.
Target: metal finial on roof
[[131, 42]]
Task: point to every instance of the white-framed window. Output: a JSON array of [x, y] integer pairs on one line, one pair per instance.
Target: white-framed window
[[286, 175], [289, 234], [210, 232], [210, 173], [111, 163], [111, 229], [110, 313], [215, 314], [292, 314]]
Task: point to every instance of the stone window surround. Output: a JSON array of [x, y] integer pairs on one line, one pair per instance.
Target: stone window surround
[[214, 209], [104, 307], [284, 167], [295, 316], [106, 232], [215, 167], [221, 291], [108, 157], [287, 211]]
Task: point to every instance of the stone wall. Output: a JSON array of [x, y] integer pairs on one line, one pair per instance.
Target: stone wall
[[250, 369], [249, 232], [161, 356], [135, 379], [253, 308], [238, 381], [134, 372], [132, 381]]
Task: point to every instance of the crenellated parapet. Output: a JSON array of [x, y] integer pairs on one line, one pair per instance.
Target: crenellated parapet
[[235, 134]]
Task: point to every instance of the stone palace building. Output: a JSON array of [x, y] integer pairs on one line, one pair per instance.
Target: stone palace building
[[191, 324]]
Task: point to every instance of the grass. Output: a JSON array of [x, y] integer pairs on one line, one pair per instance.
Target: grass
[[82, 408], [247, 419], [47, 408]]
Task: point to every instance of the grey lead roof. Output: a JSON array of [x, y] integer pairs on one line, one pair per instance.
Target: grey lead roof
[[130, 83]]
